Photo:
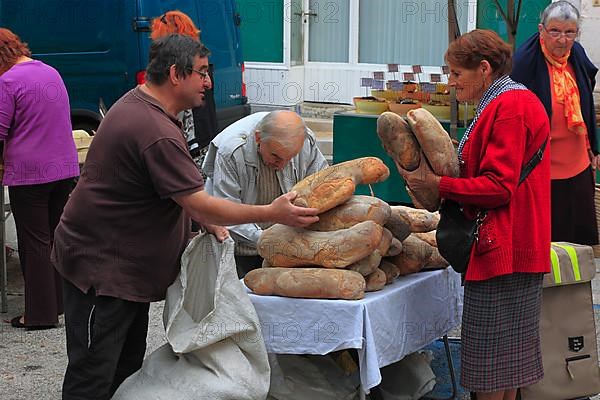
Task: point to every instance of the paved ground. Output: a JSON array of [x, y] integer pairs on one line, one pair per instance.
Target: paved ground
[[32, 363]]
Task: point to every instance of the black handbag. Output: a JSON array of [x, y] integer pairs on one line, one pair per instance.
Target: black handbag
[[456, 234]]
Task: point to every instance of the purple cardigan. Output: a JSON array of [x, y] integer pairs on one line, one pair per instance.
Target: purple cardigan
[[35, 125]]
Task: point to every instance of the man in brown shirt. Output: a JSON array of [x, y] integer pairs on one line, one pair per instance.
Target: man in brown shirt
[[119, 242]]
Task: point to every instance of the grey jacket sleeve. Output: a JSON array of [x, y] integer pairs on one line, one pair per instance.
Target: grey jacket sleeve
[[226, 184]]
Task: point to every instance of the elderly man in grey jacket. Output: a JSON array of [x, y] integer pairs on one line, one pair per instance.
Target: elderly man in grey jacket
[[255, 160]]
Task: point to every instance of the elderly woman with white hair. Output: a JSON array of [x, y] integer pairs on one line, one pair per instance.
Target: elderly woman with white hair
[[554, 66]]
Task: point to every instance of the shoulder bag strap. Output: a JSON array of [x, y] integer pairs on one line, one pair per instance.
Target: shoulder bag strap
[[535, 160]]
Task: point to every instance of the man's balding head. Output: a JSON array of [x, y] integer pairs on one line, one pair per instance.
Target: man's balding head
[[280, 136]]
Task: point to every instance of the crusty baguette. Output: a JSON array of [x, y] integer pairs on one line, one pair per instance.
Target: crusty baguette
[[436, 260], [427, 237], [368, 264], [317, 283], [414, 256], [285, 246], [390, 270], [398, 140], [394, 249], [418, 220], [375, 281], [434, 141], [356, 209], [399, 226], [336, 184]]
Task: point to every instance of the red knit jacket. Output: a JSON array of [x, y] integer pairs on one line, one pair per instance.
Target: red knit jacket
[[515, 235]]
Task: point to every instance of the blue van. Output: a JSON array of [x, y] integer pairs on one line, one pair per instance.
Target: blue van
[[101, 48]]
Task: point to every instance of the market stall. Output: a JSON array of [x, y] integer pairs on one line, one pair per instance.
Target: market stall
[[384, 327]]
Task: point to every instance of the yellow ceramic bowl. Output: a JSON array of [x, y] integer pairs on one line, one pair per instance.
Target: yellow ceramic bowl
[[391, 95], [369, 106], [443, 111]]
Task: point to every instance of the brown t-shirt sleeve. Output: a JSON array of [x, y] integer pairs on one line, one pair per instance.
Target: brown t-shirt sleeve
[[171, 169]]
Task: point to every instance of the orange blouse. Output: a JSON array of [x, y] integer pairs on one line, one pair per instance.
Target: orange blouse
[[568, 150]]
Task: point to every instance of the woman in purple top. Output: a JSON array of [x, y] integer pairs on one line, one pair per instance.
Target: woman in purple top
[[40, 162]]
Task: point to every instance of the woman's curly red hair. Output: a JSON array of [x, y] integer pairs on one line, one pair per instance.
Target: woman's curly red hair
[[174, 22], [11, 49]]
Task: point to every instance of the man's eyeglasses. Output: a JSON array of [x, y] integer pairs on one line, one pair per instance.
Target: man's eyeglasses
[[203, 74], [555, 33]]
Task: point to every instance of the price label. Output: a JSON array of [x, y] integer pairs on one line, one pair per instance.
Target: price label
[[428, 87], [380, 75], [395, 85], [408, 76], [445, 69], [417, 69], [366, 82], [392, 67], [435, 78], [378, 84]]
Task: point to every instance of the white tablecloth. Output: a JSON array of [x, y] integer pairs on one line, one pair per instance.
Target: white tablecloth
[[384, 326]]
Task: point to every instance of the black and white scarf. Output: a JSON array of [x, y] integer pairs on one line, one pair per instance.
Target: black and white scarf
[[499, 86]]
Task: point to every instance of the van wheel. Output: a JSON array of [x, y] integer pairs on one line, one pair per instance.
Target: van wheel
[[89, 126]]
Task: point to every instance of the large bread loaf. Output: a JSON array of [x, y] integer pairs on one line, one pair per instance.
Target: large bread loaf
[[285, 246], [368, 264], [434, 141], [398, 140], [414, 256], [318, 283], [390, 270], [417, 220], [336, 184], [436, 260], [427, 237], [375, 281], [356, 209], [399, 226], [394, 249]]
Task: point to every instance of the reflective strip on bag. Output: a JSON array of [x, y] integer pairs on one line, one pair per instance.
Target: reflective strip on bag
[[574, 261], [555, 265]]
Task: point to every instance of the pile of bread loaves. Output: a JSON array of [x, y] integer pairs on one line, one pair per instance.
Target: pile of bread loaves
[[359, 244]]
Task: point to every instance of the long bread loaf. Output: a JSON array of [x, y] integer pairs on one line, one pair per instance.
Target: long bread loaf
[[375, 281], [318, 283], [356, 209], [434, 141], [414, 256], [285, 246], [368, 264], [417, 220], [398, 140], [336, 184]]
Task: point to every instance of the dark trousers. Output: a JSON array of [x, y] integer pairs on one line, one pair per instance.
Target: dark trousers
[[245, 264], [574, 210], [106, 342], [37, 210]]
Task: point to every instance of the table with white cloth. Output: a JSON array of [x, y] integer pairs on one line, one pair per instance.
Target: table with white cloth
[[384, 327]]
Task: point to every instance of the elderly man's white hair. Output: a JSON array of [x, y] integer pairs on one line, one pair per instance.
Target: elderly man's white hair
[[560, 10], [284, 131]]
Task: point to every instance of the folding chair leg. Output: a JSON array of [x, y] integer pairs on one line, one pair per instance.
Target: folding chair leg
[[451, 370]]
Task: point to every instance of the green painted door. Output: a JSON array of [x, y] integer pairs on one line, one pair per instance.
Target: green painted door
[[262, 29]]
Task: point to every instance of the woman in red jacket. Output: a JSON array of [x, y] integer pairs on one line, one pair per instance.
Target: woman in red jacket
[[503, 284]]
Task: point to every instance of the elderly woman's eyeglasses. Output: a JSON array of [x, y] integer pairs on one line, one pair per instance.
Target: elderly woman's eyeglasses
[[555, 33]]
